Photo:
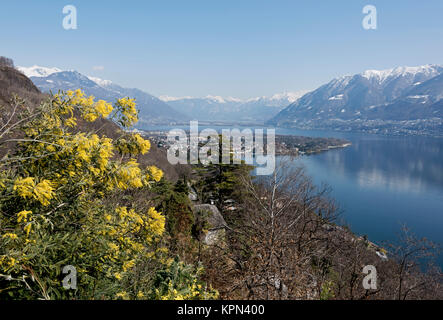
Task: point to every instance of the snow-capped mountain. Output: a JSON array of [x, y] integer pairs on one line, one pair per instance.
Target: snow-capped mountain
[[367, 95], [382, 76], [232, 109], [37, 71], [151, 109], [101, 82], [278, 100], [423, 101], [166, 109]]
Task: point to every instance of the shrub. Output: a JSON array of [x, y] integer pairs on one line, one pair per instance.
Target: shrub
[[56, 208]]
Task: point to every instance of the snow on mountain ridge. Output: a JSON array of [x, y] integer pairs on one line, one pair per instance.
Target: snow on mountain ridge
[[100, 82], [151, 109], [166, 98], [396, 94], [41, 72], [383, 75], [37, 71], [290, 97], [220, 99]]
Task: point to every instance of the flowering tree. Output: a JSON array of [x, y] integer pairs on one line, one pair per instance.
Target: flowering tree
[[57, 185]]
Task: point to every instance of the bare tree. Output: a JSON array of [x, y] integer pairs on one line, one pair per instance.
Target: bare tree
[[6, 62], [279, 233], [408, 273], [415, 275], [284, 244]]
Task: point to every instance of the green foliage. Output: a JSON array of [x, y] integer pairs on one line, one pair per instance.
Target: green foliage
[[176, 206], [220, 182], [327, 291], [181, 282], [58, 188]]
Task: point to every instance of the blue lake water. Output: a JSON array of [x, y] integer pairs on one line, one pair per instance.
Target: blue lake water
[[382, 182]]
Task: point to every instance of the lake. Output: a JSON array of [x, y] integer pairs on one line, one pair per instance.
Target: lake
[[382, 182]]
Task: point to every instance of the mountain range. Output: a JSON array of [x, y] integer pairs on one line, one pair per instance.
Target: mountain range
[[151, 109], [372, 98], [163, 110], [228, 109], [398, 100]]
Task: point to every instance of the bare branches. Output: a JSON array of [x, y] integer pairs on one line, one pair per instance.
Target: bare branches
[[278, 234], [285, 245], [415, 270], [19, 115]]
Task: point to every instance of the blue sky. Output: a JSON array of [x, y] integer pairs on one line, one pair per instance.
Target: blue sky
[[239, 48]]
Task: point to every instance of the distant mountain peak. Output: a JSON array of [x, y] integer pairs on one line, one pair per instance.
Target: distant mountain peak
[[397, 94], [37, 71], [289, 97], [383, 75], [100, 82], [42, 72], [151, 109], [220, 99], [167, 98]]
